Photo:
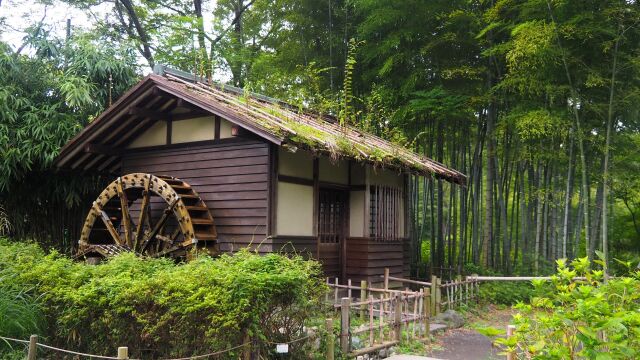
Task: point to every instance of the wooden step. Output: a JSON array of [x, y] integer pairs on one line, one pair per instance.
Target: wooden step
[[197, 208], [206, 236], [197, 221]]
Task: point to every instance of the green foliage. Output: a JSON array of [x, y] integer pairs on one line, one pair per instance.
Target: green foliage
[[580, 319], [20, 312], [159, 308], [506, 293]]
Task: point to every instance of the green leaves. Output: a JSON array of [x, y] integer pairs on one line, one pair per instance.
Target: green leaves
[[176, 310], [581, 318]]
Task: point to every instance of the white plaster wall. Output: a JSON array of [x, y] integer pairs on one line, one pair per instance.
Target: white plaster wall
[[356, 213], [334, 172], [153, 136], [357, 173], [225, 129], [295, 209], [385, 177], [298, 164], [190, 130]]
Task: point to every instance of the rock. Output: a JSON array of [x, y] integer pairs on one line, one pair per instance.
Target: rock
[[451, 318], [356, 343]]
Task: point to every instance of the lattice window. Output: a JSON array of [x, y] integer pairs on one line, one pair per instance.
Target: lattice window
[[384, 213], [331, 216]]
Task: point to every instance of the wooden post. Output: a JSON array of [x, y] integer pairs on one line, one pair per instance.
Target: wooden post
[[427, 313], [386, 278], [330, 339], [33, 347], [438, 296], [363, 298], [434, 286], [345, 345], [510, 330], [349, 289], [398, 317], [123, 353]]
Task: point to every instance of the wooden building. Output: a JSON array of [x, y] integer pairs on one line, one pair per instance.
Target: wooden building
[[272, 176]]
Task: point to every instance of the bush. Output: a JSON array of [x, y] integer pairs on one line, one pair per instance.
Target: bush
[[158, 308], [506, 293], [580, 319]]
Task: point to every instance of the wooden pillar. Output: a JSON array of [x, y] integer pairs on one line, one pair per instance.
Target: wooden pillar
[[427, 312], [434, 286], [33, 347], [398, 316], [386, 278], [123, 353], [363, 298], [345, 345], [330, 339]]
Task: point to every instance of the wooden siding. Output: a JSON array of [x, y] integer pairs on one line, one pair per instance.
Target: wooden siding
[[366, 259], [231, 177]]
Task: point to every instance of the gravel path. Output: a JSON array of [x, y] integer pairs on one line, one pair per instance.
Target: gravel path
[[465, 344]]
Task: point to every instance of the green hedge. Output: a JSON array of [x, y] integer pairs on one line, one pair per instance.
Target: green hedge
[[158, 308]]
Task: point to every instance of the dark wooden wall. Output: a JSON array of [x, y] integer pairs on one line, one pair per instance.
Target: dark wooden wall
[[232, 177], [366, 258]]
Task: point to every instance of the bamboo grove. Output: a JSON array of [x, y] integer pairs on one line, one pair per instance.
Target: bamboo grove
[[535, 100]]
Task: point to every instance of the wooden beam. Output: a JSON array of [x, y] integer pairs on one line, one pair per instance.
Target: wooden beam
[[190, 115], [295, 180], [316, 203], [101, 149], [148, 113], [216, 130]]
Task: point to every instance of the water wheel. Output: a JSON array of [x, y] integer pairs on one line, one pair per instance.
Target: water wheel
[[150, 215]]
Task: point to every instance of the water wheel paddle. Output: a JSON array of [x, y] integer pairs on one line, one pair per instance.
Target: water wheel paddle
[[150, 215]]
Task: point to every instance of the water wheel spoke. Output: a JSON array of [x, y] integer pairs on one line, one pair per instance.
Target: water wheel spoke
[[170, 232], [144, 213], [126, 217], [112, 229], [159, 225]]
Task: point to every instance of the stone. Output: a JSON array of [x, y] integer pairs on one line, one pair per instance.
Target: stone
[[451, 318]]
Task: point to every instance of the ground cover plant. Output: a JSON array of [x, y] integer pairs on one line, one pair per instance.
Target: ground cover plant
[[159, 308], [583, 318]]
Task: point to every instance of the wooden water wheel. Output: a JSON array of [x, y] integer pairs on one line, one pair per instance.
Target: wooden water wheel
[[150, 215]]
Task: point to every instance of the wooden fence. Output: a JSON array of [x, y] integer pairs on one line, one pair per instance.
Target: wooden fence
[[396, 309]]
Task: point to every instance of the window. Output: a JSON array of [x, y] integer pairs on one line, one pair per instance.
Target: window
[[384, 213]]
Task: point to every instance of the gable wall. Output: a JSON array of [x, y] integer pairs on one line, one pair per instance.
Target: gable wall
[[231, 177]]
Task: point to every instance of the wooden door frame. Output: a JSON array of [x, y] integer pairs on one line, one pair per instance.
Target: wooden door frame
[[342, 247]]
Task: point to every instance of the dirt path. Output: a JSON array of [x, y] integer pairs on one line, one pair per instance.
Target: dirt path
[[466, 343]]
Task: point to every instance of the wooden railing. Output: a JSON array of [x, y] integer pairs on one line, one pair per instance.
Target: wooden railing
[[381, 319]]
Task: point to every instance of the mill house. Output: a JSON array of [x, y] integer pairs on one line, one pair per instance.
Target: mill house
[[197, 164]]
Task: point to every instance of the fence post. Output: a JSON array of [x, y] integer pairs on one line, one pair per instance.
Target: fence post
[[386, 278], [427, 312], [438, 296], [330, 339], [123, 353], [363, 297], [33, 347], [510, 330], [345, 343], [434, 286], [475, 289], [398, 316]]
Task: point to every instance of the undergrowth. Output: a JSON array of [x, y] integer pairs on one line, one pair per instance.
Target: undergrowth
[[158, 308]]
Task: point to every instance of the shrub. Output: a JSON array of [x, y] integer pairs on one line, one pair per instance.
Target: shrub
[[158, 308], [580, 319], [506, 293]]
